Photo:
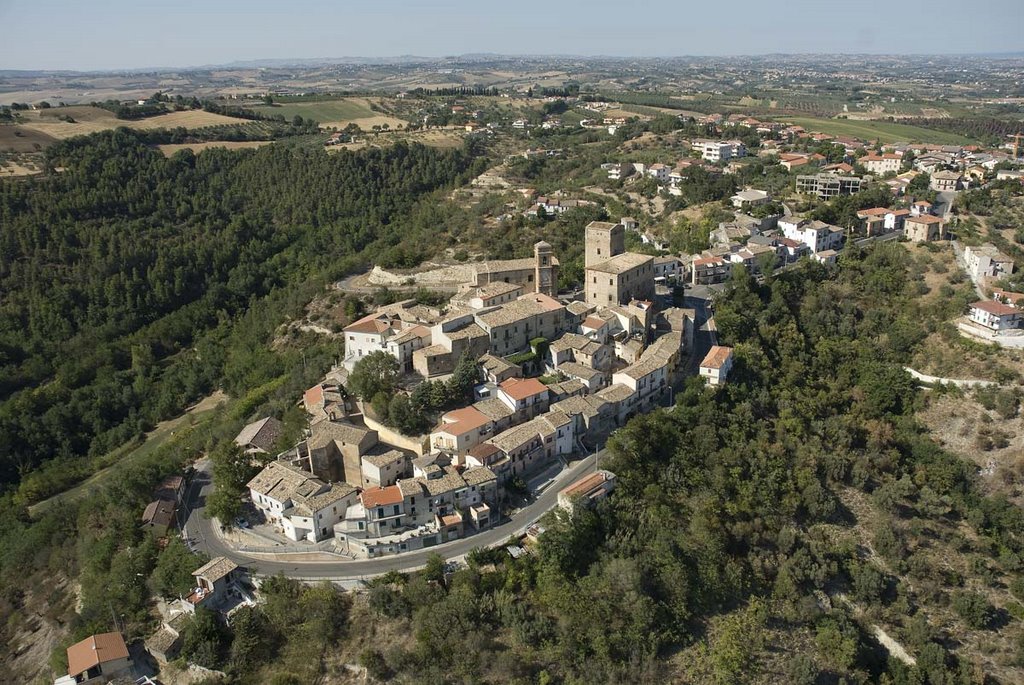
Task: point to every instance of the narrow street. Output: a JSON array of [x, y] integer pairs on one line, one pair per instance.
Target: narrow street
[[314, 564]]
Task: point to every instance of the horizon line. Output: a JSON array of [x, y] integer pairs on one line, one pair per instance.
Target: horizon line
[[399, 59]]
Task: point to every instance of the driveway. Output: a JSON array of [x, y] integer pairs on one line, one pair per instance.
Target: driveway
[[316, 565]]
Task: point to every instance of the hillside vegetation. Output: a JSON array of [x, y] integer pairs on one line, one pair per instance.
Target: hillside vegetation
[[125, 277]]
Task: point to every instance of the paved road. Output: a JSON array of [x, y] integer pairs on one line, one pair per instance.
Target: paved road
[[705, 334], [315, 564], [200, 529]]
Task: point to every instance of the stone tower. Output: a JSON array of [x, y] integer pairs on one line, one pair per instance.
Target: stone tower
[[545, 277], [604, 240]]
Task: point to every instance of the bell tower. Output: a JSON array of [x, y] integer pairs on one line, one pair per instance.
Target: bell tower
[[545, 276]]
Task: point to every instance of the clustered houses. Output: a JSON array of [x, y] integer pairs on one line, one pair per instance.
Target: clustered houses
[[303, 506], [606, 359]]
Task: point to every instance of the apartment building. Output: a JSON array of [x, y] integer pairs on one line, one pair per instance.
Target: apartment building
[[882, 164], [828, 186], [817, 235], [924, 228]]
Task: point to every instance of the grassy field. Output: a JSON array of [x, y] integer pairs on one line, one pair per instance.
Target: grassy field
[[87, 119], [14, 138], [125, 454], [883, 131], [333, 113]]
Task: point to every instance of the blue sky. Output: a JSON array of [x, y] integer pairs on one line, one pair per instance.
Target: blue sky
[[113, 34]]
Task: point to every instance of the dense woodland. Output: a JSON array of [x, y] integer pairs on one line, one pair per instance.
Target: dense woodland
[[124, 276]]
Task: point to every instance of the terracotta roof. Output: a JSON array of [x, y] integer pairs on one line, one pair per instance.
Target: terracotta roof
[[462, 421], [378, 497], [95, 650], [874, 211], [587, 484], [924, 219], [314, 396], [521, 388], [995, 308], [593, 322], [1007, 295], [716, 357]]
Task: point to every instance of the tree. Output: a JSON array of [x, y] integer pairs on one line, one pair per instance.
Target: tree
[[174, 566], [255, 639], [204, 639], [464, 378], [375, 373]]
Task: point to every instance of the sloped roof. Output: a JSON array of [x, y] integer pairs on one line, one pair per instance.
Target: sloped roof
[[95, 650], [716, 357]]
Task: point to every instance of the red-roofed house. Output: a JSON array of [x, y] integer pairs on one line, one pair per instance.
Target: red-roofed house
[[461, 430], [97, 659], [587, 490], [996, 316], [716, 365], [527, 397], [708, 270]]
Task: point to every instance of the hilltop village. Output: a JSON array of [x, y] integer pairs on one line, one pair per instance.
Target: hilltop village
[[552, 379]]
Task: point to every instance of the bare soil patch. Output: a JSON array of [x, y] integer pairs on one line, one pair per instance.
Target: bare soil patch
[[170, 149]]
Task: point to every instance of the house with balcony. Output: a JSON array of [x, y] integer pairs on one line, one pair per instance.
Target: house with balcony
[[996, 316]]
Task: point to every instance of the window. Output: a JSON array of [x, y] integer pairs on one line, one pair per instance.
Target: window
[[380, 512], [396, 510]]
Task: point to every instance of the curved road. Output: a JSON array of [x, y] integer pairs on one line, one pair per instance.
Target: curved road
[[300, 565], [315, 564]]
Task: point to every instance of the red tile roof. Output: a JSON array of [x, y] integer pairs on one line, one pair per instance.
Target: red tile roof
[[462, 421], [716, 357], [95, 650], [521, 388], [314, 396], [995, 308], [379, 497]]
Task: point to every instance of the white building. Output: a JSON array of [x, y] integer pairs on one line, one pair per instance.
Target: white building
[[720, 150], [996, 316], [302, 505], [817, 235], [882, 164], [716, 365], [986, 261], [749, 198]]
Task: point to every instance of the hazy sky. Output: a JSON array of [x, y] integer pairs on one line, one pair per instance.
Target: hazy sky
[[113, 34]]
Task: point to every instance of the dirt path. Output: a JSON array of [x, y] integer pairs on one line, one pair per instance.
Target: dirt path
[[960, 383]]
